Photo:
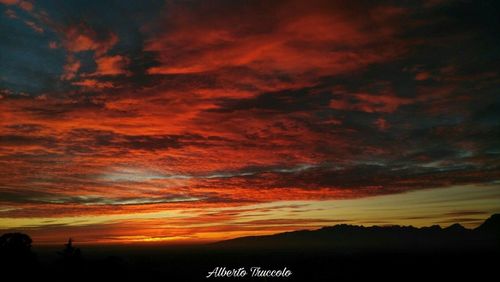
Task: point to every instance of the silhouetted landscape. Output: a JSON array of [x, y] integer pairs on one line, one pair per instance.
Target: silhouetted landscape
[[337, 253]]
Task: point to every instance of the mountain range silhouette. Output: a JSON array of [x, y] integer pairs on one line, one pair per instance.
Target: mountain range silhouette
[[387, 238]]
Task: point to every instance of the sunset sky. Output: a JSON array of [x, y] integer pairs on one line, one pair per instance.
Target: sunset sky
[[194, 121]]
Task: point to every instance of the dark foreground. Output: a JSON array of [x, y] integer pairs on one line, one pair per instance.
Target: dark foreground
[[193, 264]]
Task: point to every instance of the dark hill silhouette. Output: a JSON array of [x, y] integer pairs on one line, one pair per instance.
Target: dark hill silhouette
[[490, 225], [456, 228], [387, 238]]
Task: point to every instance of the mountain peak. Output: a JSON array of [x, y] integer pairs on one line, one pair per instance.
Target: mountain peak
[[457, 227], [491, 225]]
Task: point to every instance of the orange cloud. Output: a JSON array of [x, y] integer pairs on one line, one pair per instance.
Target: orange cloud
[[71, 68], [81, 38], [111, 65], [92, 83]]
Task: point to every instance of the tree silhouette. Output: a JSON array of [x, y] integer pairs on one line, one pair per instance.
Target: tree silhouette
[[71, 256], [15, 251]]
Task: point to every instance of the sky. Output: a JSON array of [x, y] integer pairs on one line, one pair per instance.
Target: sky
[[196, 121]]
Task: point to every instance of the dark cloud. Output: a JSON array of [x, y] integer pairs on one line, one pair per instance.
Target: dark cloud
[[287, 101], [23, 140]]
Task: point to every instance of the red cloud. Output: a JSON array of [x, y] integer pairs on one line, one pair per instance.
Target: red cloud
[[111, 65], [92, 83], [379, 103], [53, 45], [322, 41], [384, 101], [71, 68], [251, 104], [81, 38], [382, 124]]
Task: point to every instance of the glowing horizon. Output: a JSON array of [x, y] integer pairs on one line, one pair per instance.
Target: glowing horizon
[[469, 206]]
